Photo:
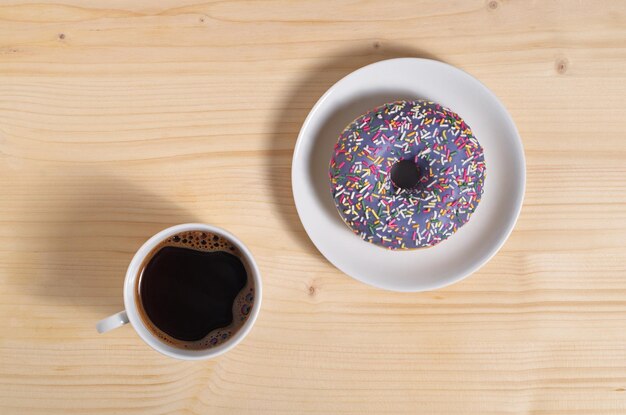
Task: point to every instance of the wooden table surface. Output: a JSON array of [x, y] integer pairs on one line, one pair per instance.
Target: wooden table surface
[[120, 118]]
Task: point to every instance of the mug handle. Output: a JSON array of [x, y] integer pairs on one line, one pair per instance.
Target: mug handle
[[112, 322]]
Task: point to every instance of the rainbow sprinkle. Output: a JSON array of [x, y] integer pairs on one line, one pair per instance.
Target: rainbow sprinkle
[[449, 157]]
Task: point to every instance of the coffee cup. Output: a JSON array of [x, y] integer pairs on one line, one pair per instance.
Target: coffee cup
[[191, 292]]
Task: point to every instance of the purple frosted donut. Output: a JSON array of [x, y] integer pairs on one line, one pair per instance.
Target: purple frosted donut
[[407, 174]]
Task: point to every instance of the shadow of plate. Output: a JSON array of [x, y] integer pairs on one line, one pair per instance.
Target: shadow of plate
[[299, 102]]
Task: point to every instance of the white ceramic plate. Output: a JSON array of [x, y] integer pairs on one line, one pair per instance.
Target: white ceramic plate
[[465, 251]]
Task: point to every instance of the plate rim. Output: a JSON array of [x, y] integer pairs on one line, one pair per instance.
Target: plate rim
[[511, 223]]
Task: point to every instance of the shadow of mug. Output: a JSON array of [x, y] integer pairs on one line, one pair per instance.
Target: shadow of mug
[[90, 227]]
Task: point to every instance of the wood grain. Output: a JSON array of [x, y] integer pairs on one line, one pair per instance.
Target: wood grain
[[120, 118]]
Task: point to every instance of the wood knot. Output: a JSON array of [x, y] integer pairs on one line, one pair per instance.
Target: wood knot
[[561, 65], [312, 290], [61, 36], [202, 20], [492, 5], [376, 44]]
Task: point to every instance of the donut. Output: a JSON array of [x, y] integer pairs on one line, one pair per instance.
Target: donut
[[407, 174]]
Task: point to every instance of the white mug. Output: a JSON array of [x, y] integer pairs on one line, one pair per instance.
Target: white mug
[[131, 312]]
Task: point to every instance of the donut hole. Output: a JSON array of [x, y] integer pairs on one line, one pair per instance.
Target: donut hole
[[405, 174]]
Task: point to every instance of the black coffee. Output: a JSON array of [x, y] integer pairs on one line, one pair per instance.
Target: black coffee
[[194, 290]]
